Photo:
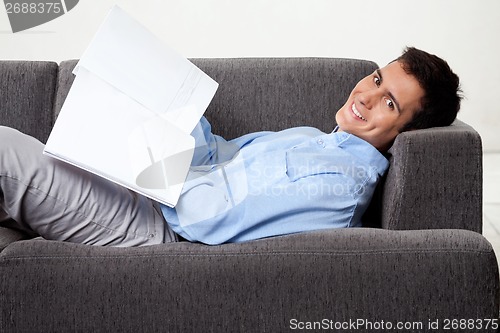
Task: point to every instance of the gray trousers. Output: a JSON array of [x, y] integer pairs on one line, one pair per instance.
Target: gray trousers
[[61, 202]]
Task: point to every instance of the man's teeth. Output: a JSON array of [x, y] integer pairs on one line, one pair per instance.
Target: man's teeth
[[356, 112]]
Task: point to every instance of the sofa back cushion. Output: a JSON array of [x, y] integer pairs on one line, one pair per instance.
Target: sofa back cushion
[[27, 96], [258, 94], [279, 93]]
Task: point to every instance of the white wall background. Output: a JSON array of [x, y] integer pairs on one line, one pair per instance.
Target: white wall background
[[464, 32]]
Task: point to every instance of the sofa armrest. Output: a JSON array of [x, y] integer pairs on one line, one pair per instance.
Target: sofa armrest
[[8, 236], [259, 286], [434, 180], [27, 96]]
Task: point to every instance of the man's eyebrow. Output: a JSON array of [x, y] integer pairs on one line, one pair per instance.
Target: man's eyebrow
[[379, 73]]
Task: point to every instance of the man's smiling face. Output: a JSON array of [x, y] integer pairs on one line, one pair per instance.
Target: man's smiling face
[[380, 105]]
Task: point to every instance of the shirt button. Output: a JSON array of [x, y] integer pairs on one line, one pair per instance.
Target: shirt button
[[321, 143]]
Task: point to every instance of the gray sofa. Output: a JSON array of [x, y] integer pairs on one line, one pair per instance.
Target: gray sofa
[[420, 258]]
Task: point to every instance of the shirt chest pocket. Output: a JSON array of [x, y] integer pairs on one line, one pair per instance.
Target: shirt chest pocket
[[302, 163]]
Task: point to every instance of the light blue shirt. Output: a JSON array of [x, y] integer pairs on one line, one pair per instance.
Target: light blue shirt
[[274, 183]]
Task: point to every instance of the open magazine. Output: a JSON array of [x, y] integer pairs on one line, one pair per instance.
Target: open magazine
[[130, 111]]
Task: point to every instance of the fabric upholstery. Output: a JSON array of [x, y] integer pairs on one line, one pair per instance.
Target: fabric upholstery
[[9, 235], [275, 94], [27, 96], [251, 287], [65, 79], [394, 272], [435, 180], [268, 94]]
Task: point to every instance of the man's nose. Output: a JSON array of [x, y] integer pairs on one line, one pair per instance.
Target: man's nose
[[367, 98]]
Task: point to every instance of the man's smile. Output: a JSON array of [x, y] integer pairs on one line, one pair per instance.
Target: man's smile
[[356, 112]]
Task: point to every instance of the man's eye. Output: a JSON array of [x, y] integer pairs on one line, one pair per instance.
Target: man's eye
[[389, 103], [377, 81]]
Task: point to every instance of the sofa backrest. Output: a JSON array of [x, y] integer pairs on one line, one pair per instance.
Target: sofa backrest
[[27, 96], [418, 192], [275, 94], [254, 94], [258, 94]]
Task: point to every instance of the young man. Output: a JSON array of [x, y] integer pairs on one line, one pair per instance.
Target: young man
[[259, 185]]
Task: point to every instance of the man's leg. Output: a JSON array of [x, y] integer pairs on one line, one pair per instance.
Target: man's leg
[[62, 202]]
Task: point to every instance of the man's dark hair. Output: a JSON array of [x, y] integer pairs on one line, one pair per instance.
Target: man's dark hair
[[441, 101]]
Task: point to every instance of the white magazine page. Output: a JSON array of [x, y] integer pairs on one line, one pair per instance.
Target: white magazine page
[[133, 60], [130, 110], [102, 130]]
